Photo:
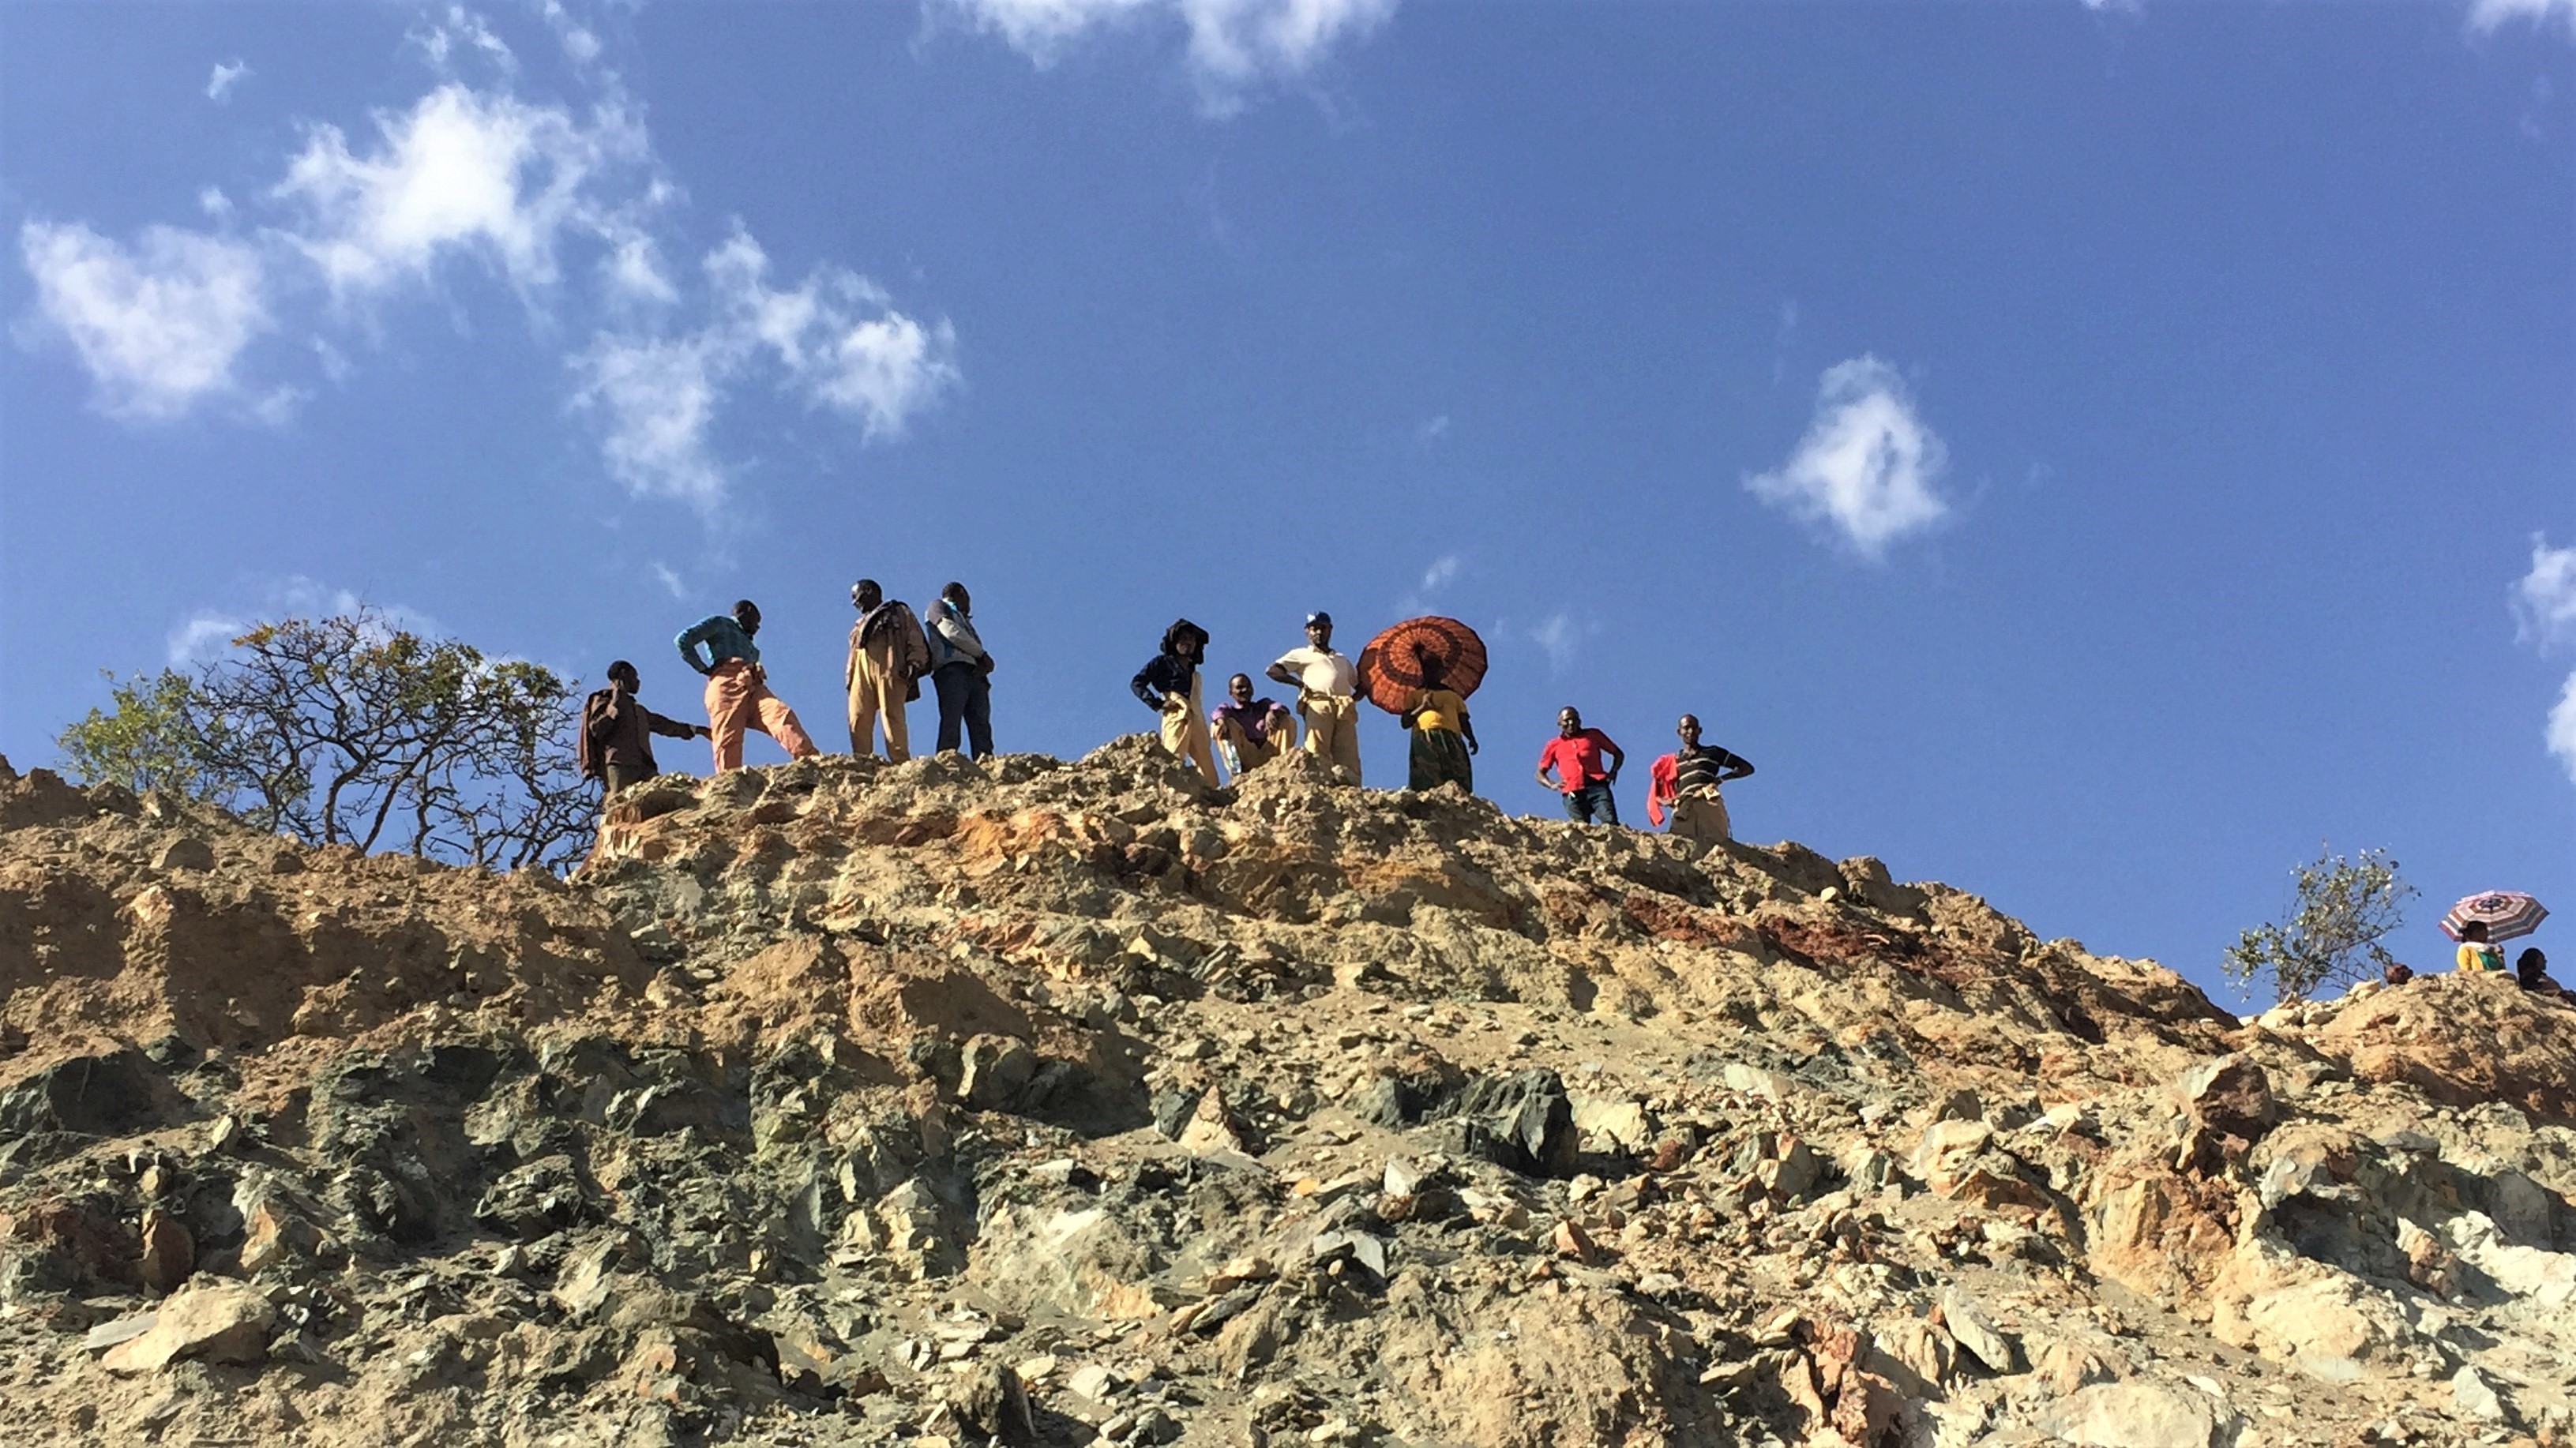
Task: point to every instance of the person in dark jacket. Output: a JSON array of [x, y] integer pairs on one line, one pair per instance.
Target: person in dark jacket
[[616, 746], [961, 669], [1169, 685]]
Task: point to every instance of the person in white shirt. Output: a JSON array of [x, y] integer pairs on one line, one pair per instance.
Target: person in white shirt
[[1327, 688]]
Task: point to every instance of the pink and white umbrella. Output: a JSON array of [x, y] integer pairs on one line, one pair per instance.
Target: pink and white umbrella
[[2505, 913]]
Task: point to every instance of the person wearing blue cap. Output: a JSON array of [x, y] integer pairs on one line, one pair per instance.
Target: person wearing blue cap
[[1328, 687]]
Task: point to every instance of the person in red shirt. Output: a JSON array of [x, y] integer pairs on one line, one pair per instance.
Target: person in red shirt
[[1576, 754]]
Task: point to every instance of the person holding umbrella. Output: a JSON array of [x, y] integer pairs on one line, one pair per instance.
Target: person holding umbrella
[[2483, 922], [2476, 951], [1327, 688], [1443, 738], [1169, 685]]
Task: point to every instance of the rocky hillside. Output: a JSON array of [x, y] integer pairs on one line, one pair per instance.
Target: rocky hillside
[[1051, 1103]]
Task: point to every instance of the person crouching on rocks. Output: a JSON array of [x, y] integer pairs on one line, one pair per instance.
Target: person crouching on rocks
[[738, 697], [616, 745], [2531, 971], [1169, 685], [1251, 732]]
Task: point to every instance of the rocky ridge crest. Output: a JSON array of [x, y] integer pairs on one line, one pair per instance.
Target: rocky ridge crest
[[1036, 1102]]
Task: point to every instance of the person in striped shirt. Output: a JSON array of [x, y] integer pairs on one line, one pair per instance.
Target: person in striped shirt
[[1688, 780]]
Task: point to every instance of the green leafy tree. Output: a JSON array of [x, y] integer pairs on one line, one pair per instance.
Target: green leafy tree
[[350, 730], [145, 740], [2341, 910]]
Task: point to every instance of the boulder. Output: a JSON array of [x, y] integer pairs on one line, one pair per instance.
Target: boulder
[[2134, 1414], [222, 1322]]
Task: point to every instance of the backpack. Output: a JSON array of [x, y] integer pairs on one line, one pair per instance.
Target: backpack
[[586, 748]]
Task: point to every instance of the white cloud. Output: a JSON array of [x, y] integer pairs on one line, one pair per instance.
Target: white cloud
[[837, 337], [1438, 575], [208, 632], [2488, 15], [158, 326], [1233, 46], [656, 400], [669, 580], [634, 271], [523, 190], [460, 171], [831, 340], [2115, 7], [1560, 636], [1868, 465], [1432, 429], [1236, 43], [228, 73], [445, 41], [580, 43], [2544, 601], [1041, 29], [202, 637], [2562, 728]]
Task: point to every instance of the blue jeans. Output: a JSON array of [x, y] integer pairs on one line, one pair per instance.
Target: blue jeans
[[1592, 804], [965, 707]]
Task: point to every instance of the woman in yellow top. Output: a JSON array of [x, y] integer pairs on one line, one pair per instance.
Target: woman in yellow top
[[2475, 953], [1443, 739]]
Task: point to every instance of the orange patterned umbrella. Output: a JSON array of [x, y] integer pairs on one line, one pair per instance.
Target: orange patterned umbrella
[[1391, 667]]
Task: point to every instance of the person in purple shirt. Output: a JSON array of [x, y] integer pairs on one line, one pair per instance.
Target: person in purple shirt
[[1251, 732]]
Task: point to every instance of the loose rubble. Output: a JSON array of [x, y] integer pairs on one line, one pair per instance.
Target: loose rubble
[[1031, 1102]]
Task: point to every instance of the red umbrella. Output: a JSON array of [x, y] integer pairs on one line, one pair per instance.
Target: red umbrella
[[1391, 667], [2507, 914]]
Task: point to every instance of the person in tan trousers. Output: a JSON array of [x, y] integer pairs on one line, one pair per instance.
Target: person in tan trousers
[[1327, 686], [886, 662], [1169, 685], [738, 697]]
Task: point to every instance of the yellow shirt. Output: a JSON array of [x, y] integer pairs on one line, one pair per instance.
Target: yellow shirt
[[2476, 956], [1438, 709]]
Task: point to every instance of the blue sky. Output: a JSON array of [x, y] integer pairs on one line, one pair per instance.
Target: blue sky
[[2089, 453]]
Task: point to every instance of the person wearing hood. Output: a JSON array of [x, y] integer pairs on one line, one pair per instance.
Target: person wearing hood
[[888, 655], [961, 669], [616, 744], [1169, 685], [738, 697]]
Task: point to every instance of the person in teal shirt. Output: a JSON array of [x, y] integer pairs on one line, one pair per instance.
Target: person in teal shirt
[[738, 697]]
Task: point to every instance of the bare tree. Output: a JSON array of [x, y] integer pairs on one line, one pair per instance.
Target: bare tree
[[349, 730]]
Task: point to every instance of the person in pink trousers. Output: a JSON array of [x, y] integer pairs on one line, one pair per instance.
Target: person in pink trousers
[[738, 698]]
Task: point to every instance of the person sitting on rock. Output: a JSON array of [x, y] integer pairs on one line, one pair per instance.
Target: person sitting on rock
[[1576, 754], [2474, 952], [1251, 732], [738, 697], [2396, 972], [1169, 685], [1443, 738], [1688, 780], [2531, 971], [616, 744]]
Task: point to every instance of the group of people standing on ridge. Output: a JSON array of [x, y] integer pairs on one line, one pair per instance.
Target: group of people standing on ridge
[[891, 651]]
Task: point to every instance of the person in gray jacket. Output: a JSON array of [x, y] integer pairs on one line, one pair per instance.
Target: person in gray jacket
[[961, 670]]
